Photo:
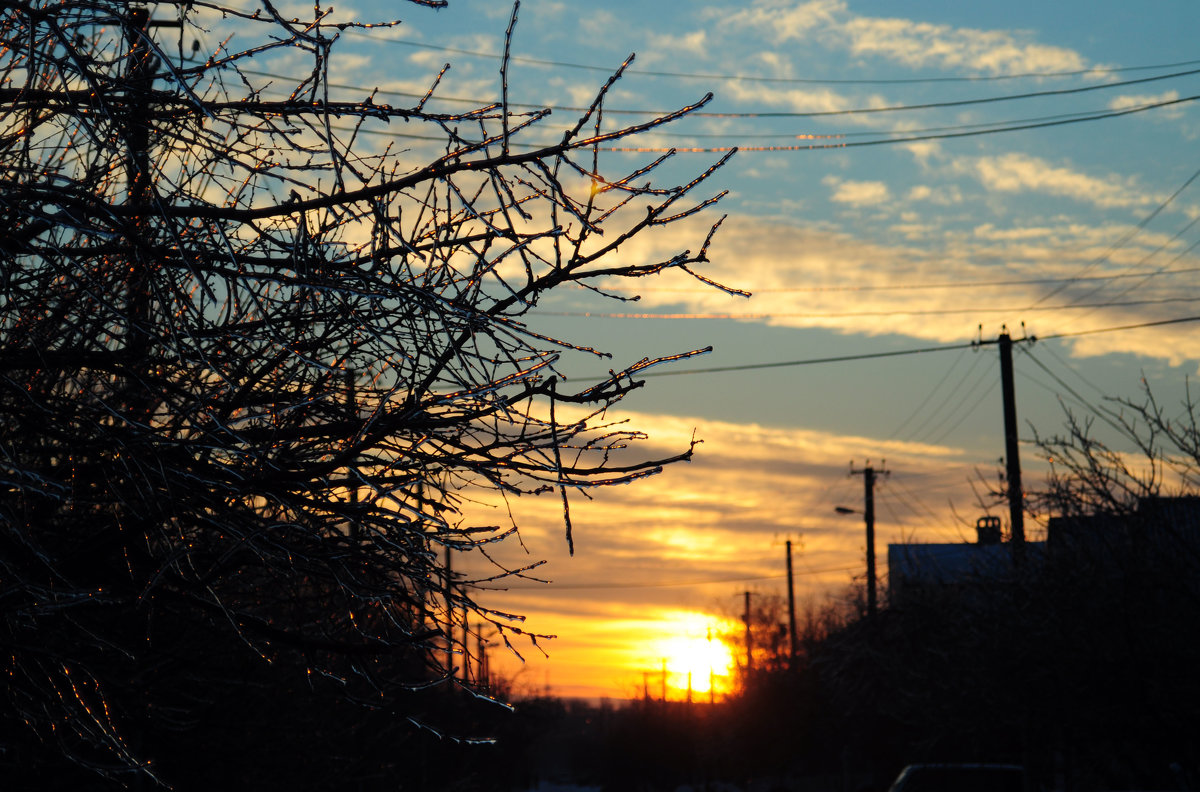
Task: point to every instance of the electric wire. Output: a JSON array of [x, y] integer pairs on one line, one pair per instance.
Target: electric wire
[[886, 137], [888, 504], [831, 497], [1103, 414], [920, 428], [975, 406], [981, 379], [1055, 392], [951, 103], [592, 585], [904, 352], [1145, 276], [1118, 328], [928, 396], [911, 501], [671, 132], [893, 140], [1096, 71], [969, 102], [958, 284], [1128, 236], [1066, 365], [859, 314]]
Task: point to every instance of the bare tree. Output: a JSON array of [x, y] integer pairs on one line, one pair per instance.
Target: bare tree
[[254, 369], [1154, 454]]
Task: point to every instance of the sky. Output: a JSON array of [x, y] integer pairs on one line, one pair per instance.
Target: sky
[[910, 176]]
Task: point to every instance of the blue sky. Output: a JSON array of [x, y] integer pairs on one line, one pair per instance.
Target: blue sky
[[1070, 227]]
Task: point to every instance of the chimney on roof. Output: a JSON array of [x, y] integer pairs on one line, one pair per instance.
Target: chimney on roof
[[987, 530]]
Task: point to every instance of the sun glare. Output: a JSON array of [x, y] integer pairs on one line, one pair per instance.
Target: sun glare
[[694, 656]]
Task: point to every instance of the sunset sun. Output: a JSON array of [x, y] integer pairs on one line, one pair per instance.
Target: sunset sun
[[694, 656]]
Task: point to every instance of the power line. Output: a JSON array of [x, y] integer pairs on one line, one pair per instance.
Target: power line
[[1097, 71], [810, 361], [1102, 414], [958, 284], [889, 137], [1047, 120], [1145, 276], [901, 352], [929, 396], [1139, 326], [858, 314], [671, 132], [978, 101], [868, 133], [1058, 358], [662, 584], [919, 432], [885, 137], [975, 406], [887, 141], [1125, 239], [914, 502]]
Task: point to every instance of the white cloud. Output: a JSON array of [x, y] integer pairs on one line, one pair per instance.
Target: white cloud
[[915, 231], [989, 231], [787, 21], [910, 42], [1132, 101], [858, 193], [600, 24], [1023, 173], [694, 43], [919, 44], [923, 150], [806, 276], [798, 100]]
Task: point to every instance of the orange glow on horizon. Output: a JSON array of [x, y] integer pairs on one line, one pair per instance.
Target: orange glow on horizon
[[695, 656]]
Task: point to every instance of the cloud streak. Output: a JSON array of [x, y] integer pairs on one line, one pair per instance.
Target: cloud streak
[[1016, 172], [693, 537], [914, 44]]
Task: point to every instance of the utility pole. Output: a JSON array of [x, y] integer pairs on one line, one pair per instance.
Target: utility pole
[[791, 609], [712, 690], [449, 593], [143, 64], [868, 474], [749, 647], [1012, 453], [466, 646], [351, 484], [482, 675], [139, 77], [869, 518]]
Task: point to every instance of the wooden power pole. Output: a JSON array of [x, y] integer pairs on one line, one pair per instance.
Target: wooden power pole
[[749, 646], [1012, 453], [791, 609], [869, 473]]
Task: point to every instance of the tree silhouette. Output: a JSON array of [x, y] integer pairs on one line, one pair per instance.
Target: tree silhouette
[[255, 369]]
